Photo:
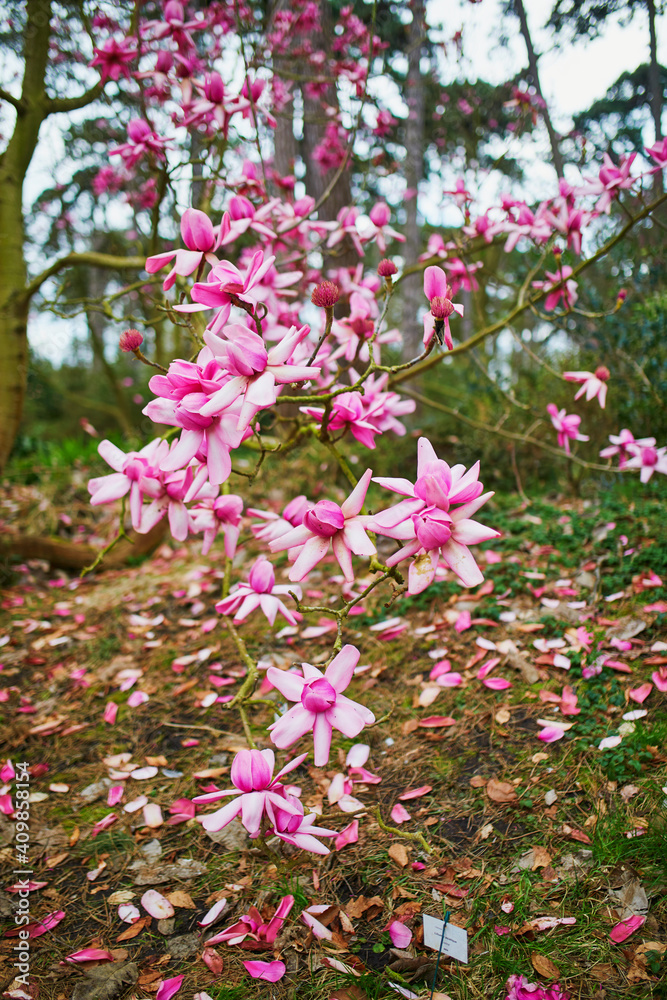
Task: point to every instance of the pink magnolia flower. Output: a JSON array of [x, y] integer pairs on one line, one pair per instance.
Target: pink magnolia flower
[[252, 776], [611, 181], [224, 284], [346, 225], [438, 292], [220, 514], [259, 592], [321, 705], [142, 142], [348, 412], [431, 526], [649, 460], [326, 523], [299, 830], [658, 153], [381, 232], [199, 237], [214, 105], [567, 426], [252, 925], [184, 389], [275, 525], [593, 383], [559, 286], [255, 372], [518, 988], [136, 473], [114, 57], [625, 445]]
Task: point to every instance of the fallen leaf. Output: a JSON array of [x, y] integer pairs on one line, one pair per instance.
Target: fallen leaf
[[501, 791], [602, 971], [541, 858], [133, 930], [106, 982], [544, 966], [181, 899], [399, 854]]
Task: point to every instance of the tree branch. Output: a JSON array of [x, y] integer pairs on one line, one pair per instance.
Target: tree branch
[[10, 99], [89, 259], [59, 104]]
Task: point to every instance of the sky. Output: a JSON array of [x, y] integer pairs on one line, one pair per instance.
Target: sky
[[572, 76]]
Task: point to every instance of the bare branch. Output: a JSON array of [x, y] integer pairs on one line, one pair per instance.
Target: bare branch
[[59, 104], [88, 259], [10, 99]]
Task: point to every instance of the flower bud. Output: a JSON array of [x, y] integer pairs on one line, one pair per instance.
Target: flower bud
[[622, 295], [325, 295], [602, 372], [130, 340], [386, 268]]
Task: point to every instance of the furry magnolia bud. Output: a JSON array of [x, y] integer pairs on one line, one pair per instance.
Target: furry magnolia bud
[[130, 340], [325, 295], [386, 268]]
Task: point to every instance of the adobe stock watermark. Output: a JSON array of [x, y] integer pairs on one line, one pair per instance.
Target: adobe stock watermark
[[22, 847]]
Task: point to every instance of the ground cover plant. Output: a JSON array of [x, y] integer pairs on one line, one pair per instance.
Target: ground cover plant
[[319, 702]]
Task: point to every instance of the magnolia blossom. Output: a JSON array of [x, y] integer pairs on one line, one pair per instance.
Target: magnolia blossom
[[649, 460], [136, 473], [625, 446], [226, 283], [255, 371], [439, 293], [592, 383], [321, 705], [559, 286], [200, 239], [222, 513], [252, 925], [518, 988], [567, 426], [252, 776], [326, 523], [431, 526], [259, 592], [299, 830]]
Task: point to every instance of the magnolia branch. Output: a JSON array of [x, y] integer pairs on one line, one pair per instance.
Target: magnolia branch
[[510, 435]]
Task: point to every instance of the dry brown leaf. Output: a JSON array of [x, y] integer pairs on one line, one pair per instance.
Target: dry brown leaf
[[399, 854], [74, 836], [541, 858], [477, 781], [544, 966], [501, 791], [356, 908], [134, 929], [409, 727], [160, 761], [603, 971], [502, 716], [56, 860], [181, 899]]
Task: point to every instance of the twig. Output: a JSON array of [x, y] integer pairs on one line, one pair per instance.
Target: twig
[[405, 834]]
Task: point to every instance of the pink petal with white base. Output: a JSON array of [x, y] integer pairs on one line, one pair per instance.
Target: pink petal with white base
[[216, 911], [550, 734], [415, 793], [350, 835], [90, 955], [128, 913], [157, 905], [399, 814], [168, 987], [399, 934]]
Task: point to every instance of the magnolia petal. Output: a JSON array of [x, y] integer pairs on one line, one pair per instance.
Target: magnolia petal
[[157, 905], [270, 971]]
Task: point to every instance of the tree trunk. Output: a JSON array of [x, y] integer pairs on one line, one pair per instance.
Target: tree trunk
[[556, 156], [14, 163], [412, 295], [654, 78]]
